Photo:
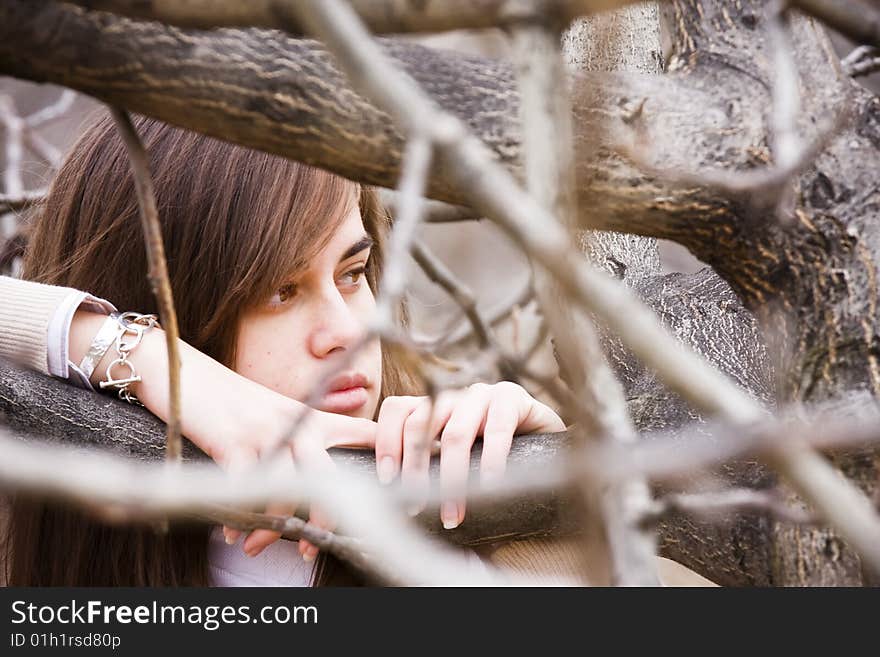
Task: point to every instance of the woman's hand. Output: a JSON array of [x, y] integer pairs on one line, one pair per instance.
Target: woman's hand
[[259, 419], [408, 425], [232, 419]]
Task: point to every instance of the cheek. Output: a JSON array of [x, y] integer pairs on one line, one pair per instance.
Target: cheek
[[370, 361], [365, 303], [270, 352]]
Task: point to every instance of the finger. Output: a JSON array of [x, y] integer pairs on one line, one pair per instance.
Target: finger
[[442, 411], [508, 406], [389, 435], [235, 459], [417, 456], [540, 418], [260, 539], [418, 444], [314, 458], [456, 441], [343, 431]]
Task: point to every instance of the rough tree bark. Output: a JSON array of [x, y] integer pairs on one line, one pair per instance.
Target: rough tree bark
[[807, 289]]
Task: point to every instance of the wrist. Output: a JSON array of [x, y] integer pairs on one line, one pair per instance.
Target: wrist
[[83, 329]]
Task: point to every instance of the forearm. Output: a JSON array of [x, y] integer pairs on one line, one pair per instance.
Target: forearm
[[213, 397]]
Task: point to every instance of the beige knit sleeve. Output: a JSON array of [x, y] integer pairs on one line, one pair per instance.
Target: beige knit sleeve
[[26, 309], [559, 559]]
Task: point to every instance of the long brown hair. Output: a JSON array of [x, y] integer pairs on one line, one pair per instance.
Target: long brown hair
[[236, 224]]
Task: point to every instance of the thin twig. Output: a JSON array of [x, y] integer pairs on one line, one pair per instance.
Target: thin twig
[[786, 93], [438, 273], [43, 148], [158, 271], [52, 112], [14, 127], [735, 500], [10, 203], [521, 298], [415, 168], [864, 60], [291, 528], [435, 212], [510, 365], [787, 148]]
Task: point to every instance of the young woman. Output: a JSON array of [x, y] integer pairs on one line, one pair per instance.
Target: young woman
[[274, 267]]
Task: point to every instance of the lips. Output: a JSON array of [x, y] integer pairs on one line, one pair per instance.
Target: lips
[[346, 393]]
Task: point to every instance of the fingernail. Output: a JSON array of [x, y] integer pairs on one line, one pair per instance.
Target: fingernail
[[386, 470], [449, 515], [227, 535], [310, 554], [251, 550]]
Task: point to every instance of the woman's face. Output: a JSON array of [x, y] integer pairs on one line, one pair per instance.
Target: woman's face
[[292, 341]]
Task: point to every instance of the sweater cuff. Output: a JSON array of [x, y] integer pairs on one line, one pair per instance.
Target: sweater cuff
[[35, 323], [26, 309]]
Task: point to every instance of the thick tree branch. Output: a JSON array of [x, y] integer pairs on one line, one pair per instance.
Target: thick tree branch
[[291, 100], [381, 16], [853, 18]]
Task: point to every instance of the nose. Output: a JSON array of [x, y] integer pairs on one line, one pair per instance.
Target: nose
[[336, 328]]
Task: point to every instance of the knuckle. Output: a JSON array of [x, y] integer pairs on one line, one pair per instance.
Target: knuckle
[[399, 401], [417, 422], [454, 436], [509, 387]]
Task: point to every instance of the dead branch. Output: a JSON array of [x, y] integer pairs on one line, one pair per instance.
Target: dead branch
[[735, 500], [346, 548], [14, 127], [864, 60], [158, 272], [435, 212], [622, 552], [440, 274], [10, 203]]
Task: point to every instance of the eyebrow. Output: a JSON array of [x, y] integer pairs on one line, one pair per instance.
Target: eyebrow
[[363, 243]]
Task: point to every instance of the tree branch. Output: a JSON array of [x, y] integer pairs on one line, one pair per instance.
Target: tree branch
[[10, 203], [157, 274], [853, 18], [381, 16], [291, 100]]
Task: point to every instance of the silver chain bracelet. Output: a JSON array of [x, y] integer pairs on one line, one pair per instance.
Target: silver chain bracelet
[[129, 324]]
